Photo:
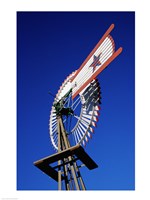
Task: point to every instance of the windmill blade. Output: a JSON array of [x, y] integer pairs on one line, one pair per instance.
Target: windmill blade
[[80, 133], [85, 130], [97, 108], [75, 136], [83, 133]]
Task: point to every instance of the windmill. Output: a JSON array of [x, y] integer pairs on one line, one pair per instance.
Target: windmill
[[74, 115]]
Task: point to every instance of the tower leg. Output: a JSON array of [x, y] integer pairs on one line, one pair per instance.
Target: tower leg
[[80, 177], [63, 143], [59, 161], [66, 176]]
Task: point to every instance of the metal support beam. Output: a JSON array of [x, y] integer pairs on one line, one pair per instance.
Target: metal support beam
[[66, 146], [59, 161]]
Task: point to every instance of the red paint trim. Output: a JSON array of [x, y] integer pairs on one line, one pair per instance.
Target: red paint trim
[[96, 119], [99, 107], [91, 130], [113, 43], [95, 48], [98, 113], [93, 124], [98, 71]]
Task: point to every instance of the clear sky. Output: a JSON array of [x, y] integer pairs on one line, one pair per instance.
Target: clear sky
[[50, 46]]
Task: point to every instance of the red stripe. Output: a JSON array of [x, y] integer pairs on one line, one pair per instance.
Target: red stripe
[[109, 36], [98, 71]]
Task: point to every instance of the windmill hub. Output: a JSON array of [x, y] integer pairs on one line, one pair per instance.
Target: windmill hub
[[66, 111], [61, 110]]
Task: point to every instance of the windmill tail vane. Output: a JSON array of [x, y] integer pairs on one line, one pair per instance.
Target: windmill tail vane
[[74, 115], [99, 58]]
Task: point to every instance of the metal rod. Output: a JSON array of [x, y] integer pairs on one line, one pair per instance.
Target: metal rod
[[66, 142], [80, 177], [66, 175], [65, 167], [59, 161]]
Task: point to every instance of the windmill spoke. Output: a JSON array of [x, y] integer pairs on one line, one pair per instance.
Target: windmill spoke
[[76, 101], [76, 105]]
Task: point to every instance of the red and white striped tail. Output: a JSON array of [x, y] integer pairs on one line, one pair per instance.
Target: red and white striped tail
[[99, 58]]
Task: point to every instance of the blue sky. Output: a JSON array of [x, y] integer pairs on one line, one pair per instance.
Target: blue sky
[[50, 45]]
